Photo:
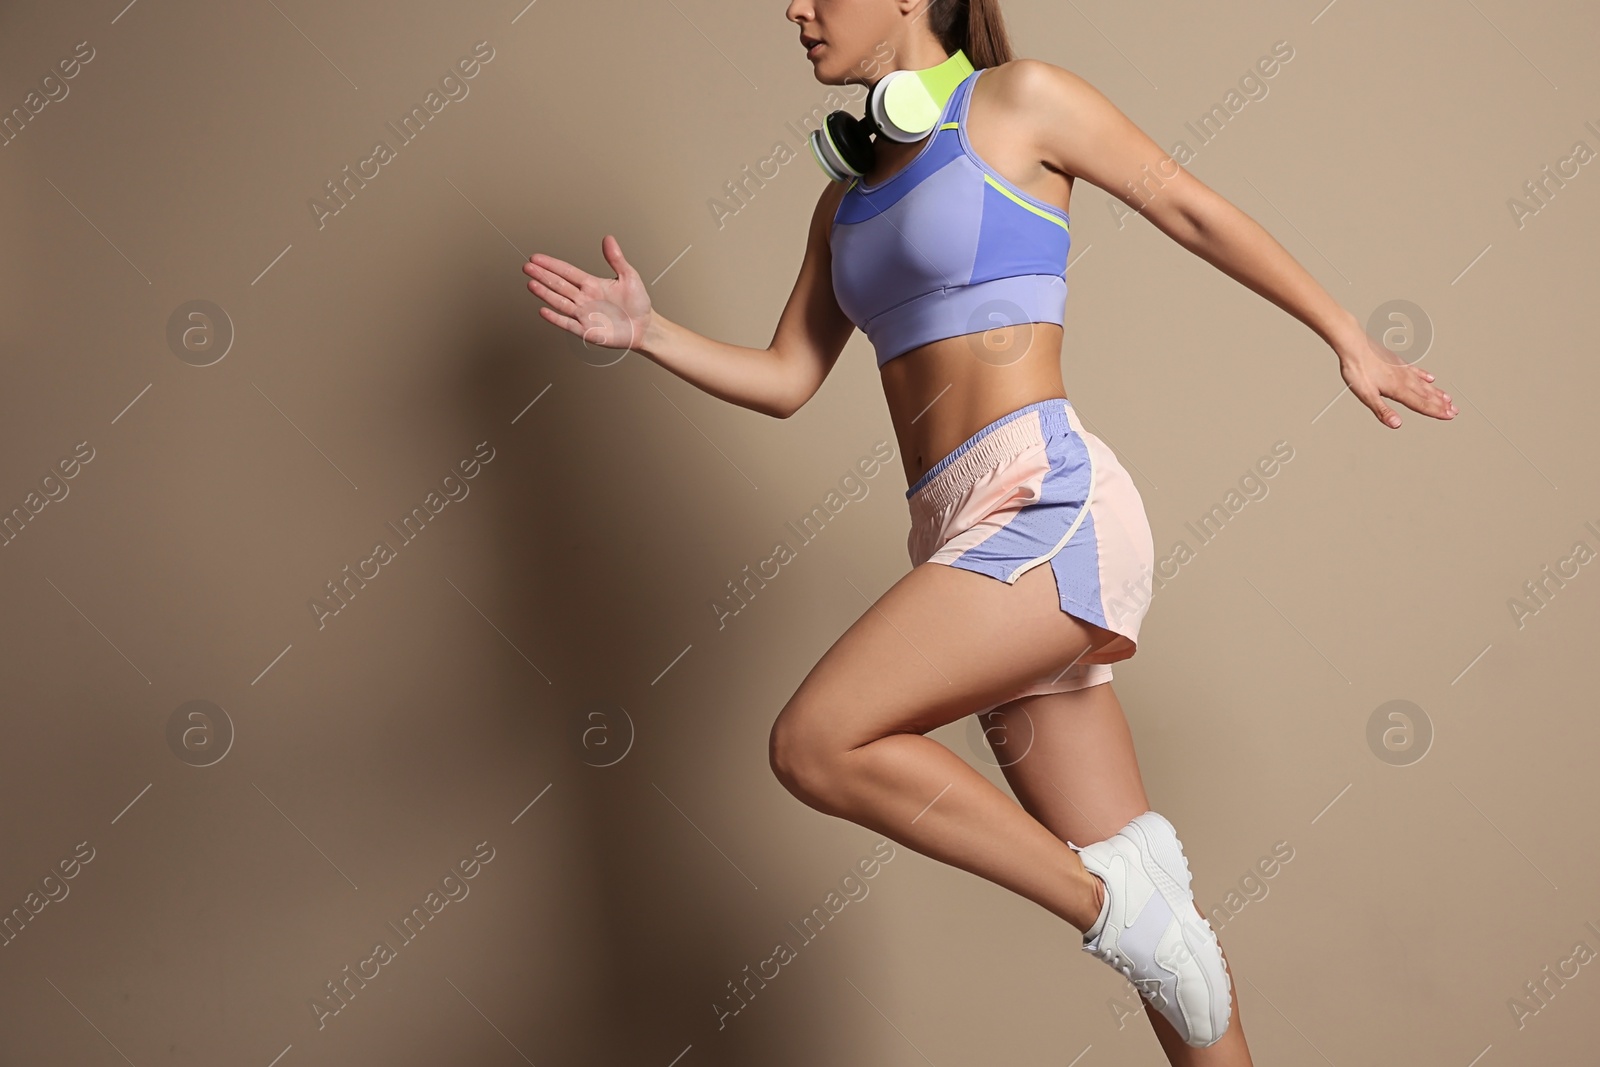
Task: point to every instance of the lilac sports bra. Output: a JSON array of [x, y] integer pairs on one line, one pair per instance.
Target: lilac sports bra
[[946, 246]]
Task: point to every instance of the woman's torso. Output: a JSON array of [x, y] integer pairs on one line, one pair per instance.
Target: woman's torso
[[941, 393]]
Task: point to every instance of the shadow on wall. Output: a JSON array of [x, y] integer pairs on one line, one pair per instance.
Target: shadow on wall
[[593, 513]]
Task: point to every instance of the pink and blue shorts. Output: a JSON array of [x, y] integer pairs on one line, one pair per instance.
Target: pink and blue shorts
[[1035, 487]]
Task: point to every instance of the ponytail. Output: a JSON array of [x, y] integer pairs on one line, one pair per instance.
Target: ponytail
[[975, 27]]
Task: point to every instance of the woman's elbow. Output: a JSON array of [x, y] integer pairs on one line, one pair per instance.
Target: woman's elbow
[[778, 406], [791, 397]]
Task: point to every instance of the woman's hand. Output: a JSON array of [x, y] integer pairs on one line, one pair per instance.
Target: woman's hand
[[606, 312], [1373, 372]]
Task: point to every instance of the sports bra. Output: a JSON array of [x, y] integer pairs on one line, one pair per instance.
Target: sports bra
[[946, 246]]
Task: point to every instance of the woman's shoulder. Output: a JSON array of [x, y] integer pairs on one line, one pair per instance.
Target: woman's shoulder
[[1026, 77], [829, 198], [1037, 94], [827, 208]]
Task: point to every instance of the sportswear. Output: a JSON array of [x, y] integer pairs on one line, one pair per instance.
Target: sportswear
[[1035, 486], [904, 105], [1150, 931], [946, 246]]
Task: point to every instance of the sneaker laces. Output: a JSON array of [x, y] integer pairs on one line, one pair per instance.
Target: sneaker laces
[[1116, 959], [1148, 988]]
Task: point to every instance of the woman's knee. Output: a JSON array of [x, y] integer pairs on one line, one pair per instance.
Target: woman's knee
[[801, 758]]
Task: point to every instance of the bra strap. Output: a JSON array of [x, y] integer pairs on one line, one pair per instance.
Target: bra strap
[[961, 99]]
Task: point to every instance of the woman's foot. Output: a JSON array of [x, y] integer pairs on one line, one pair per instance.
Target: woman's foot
[[1149, 930]]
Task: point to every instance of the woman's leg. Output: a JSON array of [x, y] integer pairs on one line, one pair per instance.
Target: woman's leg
[[941, 643], [1078, 775]]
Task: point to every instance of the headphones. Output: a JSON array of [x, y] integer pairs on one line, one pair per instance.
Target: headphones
[[903, 106]]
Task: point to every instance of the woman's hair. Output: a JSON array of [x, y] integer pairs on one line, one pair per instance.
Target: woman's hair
[[974, 26]]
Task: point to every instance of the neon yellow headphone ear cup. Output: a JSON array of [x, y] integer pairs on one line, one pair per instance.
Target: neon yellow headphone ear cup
[[908, 105]]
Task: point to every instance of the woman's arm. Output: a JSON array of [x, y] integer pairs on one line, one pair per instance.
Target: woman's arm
[[1083, 134], [776, 381]]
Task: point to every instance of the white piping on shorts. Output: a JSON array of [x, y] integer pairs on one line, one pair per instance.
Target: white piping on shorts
[[1011, 578]]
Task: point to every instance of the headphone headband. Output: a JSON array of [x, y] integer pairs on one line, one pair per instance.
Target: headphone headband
[[904, 105]]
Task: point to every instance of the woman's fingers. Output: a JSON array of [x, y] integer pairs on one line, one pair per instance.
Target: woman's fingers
[[556, 300], [1434, 402], [1371, 392], [576, 276], [553, 281], [1446, 407], [1377, 374], [612, 250], [552, 287], [1385, 413], [558, 319], [1421, 395], [1414, 389]]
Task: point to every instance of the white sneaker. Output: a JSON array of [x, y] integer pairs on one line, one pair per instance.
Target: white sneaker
[[1151, 932]]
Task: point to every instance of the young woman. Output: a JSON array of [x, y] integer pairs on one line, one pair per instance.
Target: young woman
[[1032, 555]]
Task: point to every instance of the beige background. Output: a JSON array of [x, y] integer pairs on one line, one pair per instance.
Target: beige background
[[560, 616]]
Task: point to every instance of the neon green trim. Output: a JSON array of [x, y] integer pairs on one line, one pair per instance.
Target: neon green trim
[[820, 165], [951, 126], [943, 79], [1036, 210]]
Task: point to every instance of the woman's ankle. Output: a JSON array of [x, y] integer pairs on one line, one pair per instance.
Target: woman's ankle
[[1102, 907]]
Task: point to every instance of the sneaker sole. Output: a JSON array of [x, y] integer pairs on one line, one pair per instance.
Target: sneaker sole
[[1165, 864]]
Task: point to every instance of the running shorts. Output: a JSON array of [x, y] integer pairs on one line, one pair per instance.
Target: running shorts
[[1035, 487]]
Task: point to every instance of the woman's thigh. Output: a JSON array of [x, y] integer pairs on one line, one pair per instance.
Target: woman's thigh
[[939, 644], [1069, 758]]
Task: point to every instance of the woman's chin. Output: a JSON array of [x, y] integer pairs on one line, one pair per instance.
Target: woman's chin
[[825, 69], [826, 74]]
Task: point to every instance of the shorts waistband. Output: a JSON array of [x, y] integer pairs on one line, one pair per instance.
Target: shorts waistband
[[944, 482]]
